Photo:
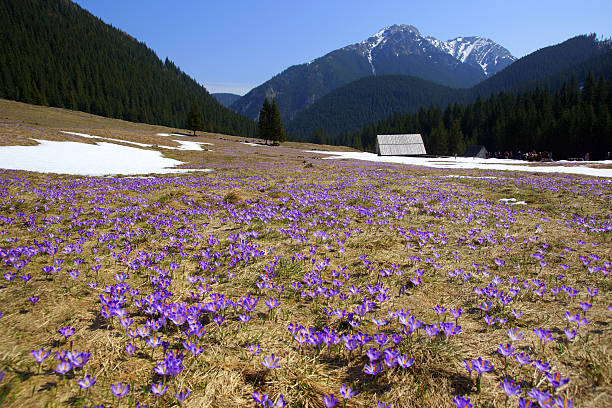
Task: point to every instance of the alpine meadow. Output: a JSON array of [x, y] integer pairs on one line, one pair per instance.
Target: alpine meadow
[[305, 214]]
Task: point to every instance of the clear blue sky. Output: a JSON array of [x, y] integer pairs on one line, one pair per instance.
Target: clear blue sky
[[233, 46]]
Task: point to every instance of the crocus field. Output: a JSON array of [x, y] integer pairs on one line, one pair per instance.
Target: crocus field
[[280, 279]]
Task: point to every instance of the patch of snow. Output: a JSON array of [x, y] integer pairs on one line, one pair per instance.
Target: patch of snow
[[157, 134], [469, 177], [187, 145], [512, 201], [472, 163], [184, 145], [251, 144], [87, 159], [80, 134]]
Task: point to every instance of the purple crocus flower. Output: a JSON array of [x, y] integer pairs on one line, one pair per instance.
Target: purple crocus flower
[[522, 358], [482, 366], [66, 331], [182, 396], [372, 368], [260, 398], [329, 400], [510, 387], [373, 354], [405, 362], [87, 382], [462, 402], [541, 365], [270, 362], [158, 389], [515, 334], [40, 355], [120, 390], [347, 392], [556, 379], [63, 367], [544, 399]]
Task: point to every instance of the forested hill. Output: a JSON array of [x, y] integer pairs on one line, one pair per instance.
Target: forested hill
[[569, 122], [532, 69], [56, 53], [365, 101]]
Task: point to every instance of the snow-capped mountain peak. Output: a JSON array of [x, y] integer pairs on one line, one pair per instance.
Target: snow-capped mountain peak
[[483, 52]]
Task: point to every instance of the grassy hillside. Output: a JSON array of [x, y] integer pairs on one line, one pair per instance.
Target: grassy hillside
[[55, 53]]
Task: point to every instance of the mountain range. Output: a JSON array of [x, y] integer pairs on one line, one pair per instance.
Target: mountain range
[[394, 50], [374, 98]]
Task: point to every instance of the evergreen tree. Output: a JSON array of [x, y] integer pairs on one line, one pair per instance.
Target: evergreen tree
[[195, 119], [264, 130], [276, 124]]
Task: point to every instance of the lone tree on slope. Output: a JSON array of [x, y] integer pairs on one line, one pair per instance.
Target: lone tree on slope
[[270, 125], [264, 131], [278, 133], [195, 119]]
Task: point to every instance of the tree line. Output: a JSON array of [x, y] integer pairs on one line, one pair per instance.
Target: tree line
[[570, 122]]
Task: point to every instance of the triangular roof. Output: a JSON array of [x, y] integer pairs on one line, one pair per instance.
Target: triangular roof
[[400, 145], [475, 151]]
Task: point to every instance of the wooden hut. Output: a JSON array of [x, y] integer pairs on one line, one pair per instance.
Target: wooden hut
[[400, 145], [476, 151]]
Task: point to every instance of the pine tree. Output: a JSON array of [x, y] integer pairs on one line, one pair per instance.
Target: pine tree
[[195, 119], [264, 130], [276, 124]]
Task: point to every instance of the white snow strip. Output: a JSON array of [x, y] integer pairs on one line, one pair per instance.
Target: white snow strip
[[251, 144], [473, 163], [157, 134], [512, 201], [184, 145], [469, 177], [86, 159], [80, 134]]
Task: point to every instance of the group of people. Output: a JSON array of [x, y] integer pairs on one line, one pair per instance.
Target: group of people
[[529, 156]]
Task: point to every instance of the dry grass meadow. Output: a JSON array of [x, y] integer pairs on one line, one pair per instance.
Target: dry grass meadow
[[341, 246]]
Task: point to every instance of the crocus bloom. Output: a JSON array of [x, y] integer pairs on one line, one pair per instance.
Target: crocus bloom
[[254, 348], [63, 367], [515, 334], [505, 350], [120, 390], [482, 366], [330, 400], [260, 397], [510, 387], [270, 362], [66, 331], [158, 389], [541, 365], [347, 392], [182, 396], [40, 355], [87, 382], [462, 402], [556, 379], [372, 368]]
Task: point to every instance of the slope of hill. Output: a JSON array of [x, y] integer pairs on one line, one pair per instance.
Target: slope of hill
[[55, 53], [368, 100], [372, 99], [226, 99], [394, 50]]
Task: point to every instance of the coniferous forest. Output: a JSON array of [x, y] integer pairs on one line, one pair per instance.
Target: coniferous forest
[[569, 122], [57, 54]]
